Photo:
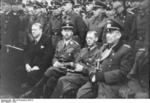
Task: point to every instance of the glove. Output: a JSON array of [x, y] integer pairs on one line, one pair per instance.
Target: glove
[[28, 67], [79, 67], [57, 64], [35, 68]]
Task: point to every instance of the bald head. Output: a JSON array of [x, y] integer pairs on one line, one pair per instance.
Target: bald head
[[91, 38]]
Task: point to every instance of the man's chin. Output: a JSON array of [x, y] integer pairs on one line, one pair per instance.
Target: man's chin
[[89, 45], [66, 38], [109, 42]]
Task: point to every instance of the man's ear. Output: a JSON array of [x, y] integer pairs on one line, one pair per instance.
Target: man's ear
[[118, 34]]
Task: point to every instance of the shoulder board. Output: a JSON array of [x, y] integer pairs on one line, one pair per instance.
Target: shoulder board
[[125, 48], [74, 42]]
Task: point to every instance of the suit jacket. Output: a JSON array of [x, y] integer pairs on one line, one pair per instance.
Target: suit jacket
[[117, 65], [40, 54], [66, 53]]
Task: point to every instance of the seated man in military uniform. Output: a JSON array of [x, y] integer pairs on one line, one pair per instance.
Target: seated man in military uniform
[[113, 65], [65, 54], [68, 85]]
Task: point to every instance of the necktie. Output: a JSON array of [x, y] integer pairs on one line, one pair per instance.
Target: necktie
[[35, 42]]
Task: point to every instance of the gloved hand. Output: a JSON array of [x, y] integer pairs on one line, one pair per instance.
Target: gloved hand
[[58, 64]]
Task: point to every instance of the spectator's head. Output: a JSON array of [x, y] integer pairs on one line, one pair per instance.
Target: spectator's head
[[67, 30], [114, 31], [89, 6], [56, 7], [77, 8], [110, 13], [144, 4], [99, 8], [118, 6], [36, 30], [91, 38], [67, 5]]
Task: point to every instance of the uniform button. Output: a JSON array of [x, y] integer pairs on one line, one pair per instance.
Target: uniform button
[[109, 66], [111, 60]]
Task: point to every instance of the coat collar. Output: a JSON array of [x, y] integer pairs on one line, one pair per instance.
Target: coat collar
[[42, 38], [115, 48]]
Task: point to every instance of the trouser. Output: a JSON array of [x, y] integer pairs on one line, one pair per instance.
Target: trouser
[[53, 75], [34, 76], [102, 90], [88, 90], [27, 77], [68, 85]]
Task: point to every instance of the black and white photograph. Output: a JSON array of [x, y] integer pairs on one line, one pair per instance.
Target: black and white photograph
[[74, 50]]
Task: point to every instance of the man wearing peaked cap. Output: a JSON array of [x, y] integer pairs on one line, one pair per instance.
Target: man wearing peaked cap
[[78, 8], [98, 20], [89, 5], [53, 26], [115, 61], [80, 28]]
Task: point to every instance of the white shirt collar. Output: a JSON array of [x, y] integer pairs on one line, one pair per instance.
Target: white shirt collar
[[38, 39], [67, 42]]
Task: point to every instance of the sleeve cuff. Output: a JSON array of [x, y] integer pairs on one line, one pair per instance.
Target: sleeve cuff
[[100, 77]]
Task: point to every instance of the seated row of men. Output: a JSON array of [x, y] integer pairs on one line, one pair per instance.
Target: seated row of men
[[95, 71]]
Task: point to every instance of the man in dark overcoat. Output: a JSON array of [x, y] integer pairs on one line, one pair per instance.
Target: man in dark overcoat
[[114, 64], [38, 54]]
